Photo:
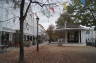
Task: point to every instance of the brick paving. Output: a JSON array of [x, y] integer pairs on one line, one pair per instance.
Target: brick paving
[[52, 54]]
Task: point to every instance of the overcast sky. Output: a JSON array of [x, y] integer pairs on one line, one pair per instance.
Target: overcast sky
[[52, 19]]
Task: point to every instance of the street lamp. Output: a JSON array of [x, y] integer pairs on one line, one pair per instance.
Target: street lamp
[[37, 19]]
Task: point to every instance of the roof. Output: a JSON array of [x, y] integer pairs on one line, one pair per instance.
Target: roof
[[70, 29], [70, 26]]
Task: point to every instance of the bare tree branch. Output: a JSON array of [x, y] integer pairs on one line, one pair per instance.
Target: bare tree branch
[[27, 10], [39, 3], [42, 4]]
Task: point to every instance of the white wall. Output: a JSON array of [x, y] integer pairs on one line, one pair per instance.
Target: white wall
[[83, 36], [91, 35], [7, 12]]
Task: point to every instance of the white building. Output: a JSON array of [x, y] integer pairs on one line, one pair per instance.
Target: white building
[[9, 23], [75, 33]]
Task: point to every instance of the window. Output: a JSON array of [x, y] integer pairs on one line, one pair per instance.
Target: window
[[87, 32]]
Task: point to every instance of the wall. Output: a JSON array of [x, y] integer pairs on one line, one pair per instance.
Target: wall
[[90, 37], [83, 36], [7, 12]]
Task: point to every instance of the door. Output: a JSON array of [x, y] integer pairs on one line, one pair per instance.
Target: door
[[73, 37]]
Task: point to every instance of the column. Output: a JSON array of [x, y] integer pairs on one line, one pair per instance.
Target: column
[[66, 36], [10, 37], [79, 36], [65, 24]]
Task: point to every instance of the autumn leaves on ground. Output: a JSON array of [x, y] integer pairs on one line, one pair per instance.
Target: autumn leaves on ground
[[52, 54]]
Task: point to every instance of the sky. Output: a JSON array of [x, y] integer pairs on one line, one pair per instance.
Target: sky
[[45, 21]]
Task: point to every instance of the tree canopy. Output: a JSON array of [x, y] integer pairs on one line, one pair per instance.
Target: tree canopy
[[79, 11], [65, 17], [83, 11]]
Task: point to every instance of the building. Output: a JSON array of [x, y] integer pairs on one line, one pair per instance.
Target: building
[[9, 24], [75, 33]]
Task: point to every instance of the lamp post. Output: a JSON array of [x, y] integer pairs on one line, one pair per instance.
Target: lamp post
[[37, 18]]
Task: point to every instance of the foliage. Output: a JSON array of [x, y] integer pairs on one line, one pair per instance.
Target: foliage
[[83, 13], [53, 34], [64, 17], [50, 32], [80, 12]]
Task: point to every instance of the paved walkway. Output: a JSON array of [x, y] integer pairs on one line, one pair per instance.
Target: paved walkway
[[42, 44], [16, 48], [53, 54], [32, 46], [67, 44]]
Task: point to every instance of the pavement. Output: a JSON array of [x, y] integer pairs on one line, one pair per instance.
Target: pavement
[[52, 54], [17, 48], [42, 44], [68, 44]]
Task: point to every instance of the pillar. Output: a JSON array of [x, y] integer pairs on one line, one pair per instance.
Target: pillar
[[79, 36], [66, 36], [65, 26]]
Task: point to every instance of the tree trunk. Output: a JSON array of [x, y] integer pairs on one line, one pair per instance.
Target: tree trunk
[[21, 54]]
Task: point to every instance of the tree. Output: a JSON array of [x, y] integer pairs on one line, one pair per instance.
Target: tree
[[83, 12], [50, 32], [22, 18], [23, 14], [65, 17]]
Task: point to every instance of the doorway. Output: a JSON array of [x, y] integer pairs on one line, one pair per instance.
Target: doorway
[[73, 37]]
